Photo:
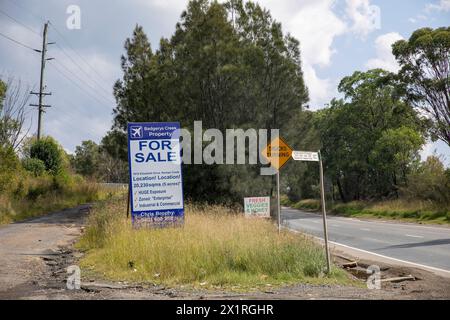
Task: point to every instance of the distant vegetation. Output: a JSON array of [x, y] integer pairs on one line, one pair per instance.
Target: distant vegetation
[[425, 199], [40, 182], [35, 176]]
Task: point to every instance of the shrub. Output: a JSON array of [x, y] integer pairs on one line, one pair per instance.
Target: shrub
[[9, 168], [430, 181], [49, 152], [310, 204], [35, 166]]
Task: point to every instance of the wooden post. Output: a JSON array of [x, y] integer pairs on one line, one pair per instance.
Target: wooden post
[[128, 201]]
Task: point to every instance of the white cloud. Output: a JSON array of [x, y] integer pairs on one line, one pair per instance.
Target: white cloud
[[364, 16], [170, 5], [439, 149], [419, 17], [320, 90], [443, 5], [385, 59], [315, 25]]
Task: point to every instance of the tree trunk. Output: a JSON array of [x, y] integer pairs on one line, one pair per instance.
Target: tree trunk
[[341, 191]]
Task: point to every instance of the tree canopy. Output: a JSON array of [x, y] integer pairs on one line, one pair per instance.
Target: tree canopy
[[229, 65], [370, 137], [425, 70]]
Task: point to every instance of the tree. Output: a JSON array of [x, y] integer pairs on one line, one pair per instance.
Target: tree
[[429, 180], [93, 161], [49, 152], [9, 168], [300, 178], [395, 151], [228, 65], [86, 158], [425, 69], [35, 166], [13, 101], [372, 115]]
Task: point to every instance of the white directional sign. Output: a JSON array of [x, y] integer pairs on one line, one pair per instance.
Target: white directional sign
[[305, 156]]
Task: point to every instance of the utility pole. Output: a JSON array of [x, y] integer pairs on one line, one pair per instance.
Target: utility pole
[[41, 92]]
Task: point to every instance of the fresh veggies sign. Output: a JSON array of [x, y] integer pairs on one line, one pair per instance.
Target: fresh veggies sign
[[257, 206], [156, 188]]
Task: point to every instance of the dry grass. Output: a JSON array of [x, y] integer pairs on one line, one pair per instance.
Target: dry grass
[[215, 248], [42, 198], [398, 209], [402, 209]]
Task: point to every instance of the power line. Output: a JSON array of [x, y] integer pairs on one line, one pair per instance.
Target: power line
[[69, 116], [84, 72], [18, 5], [81, 57], [22, 24], [81, 80], [76, 84], [19, 43], [106, 97], [72, 60]]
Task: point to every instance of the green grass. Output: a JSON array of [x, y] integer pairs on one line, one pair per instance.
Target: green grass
[[308, 204], [414, 211], [216, 248], [400, 209]]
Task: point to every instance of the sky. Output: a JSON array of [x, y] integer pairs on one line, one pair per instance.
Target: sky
[[337, 37]]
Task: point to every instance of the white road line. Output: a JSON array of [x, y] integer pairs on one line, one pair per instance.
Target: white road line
[[413, 236], [381, 222], [364, 229], [395, 259], [442, 271]]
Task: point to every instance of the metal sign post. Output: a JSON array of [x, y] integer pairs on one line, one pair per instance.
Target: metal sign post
[[277, 152], [278, 201], [316, 157], [324, 214]]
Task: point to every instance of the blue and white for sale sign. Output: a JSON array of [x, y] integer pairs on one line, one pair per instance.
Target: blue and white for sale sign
[[156, 188]]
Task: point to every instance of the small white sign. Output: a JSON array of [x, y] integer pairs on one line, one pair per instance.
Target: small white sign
[[305, 156], [257, 206]]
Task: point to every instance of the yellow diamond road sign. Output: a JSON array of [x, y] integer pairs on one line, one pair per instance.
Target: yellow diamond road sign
[[278, 152]]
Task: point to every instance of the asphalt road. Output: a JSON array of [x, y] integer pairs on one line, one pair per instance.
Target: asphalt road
[[425, 245]]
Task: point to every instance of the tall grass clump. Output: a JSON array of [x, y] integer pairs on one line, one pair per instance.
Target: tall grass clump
[[215, 247]]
